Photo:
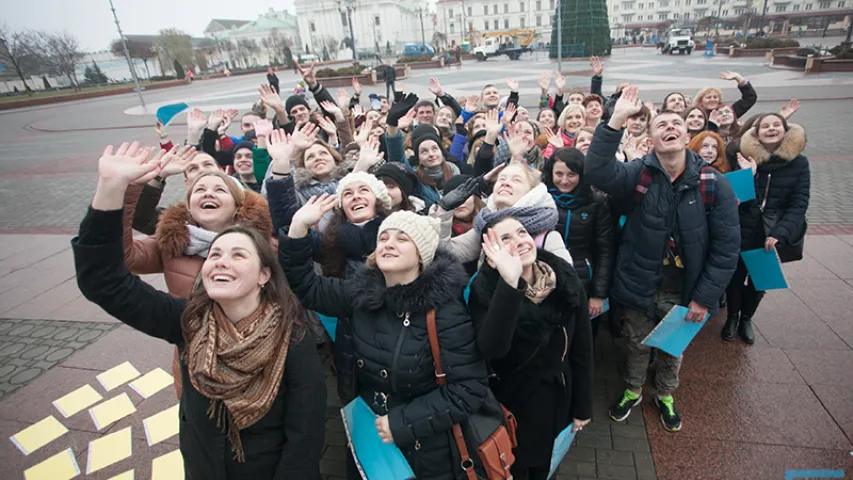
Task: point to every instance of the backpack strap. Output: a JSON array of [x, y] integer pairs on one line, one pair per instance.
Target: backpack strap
[[441, 379], [708, 187], [642, 188]]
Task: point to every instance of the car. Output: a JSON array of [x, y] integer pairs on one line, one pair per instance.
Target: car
[[366, 53], [678, 40], [307, 58], [410, 49]]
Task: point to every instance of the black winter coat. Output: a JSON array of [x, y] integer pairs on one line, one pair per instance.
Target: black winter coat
[[286, 443], [395, 372], [708, 243], [787, 197], [541, 354], [587, 230]]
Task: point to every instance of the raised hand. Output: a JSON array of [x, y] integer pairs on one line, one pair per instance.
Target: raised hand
[[176, 160], [456, 197], [714, 117], [369, 155], [517, 145], [332, 108], [747, 162], [308, 73], [196, 122], [364, 132], [130, 163], [161, 131], [215, 120], [545, 82], [492, 175], [731, 76], [503, 258], [400, 109], [303, 138], [281, 151], [343, 98], [630, 148], [327, 126], [512, 84], [356, 86], [230, 115], [493, 123], [508, 115], [311, 213], [554, 138], [270, 98], [559, 82], [627, 105], [472, 103], [407, 120], [263, 127], [790, 109], [357, 110], [596, 66], [435, 87]]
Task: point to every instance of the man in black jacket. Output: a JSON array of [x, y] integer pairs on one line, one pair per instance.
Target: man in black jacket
[[679, 245], [390, 79]]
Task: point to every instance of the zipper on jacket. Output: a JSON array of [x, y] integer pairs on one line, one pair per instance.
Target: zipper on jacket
[[406, 324], [588, 267], [766, 192]]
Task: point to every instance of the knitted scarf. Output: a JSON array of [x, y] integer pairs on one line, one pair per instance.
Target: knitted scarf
[[200, 240], [459, 227], [544, 282], [237, 366], [536, 210], [436, 176]]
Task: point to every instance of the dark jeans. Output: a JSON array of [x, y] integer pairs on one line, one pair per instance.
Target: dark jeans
[[389, 91], [741, 295]]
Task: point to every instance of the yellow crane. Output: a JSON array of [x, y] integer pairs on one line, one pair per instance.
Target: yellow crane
[[503, 42]]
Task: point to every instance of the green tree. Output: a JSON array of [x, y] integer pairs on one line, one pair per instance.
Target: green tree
[[141, 50], [93, 75], [584, 22], [175, 45]]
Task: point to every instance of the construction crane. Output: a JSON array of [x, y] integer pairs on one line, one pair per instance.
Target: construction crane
[[511, 43]]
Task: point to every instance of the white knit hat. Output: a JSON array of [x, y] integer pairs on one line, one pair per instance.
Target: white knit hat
[[421, 229], [377, 186]]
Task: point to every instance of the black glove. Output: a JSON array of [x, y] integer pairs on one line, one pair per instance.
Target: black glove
[[459, 195], [400, 109]]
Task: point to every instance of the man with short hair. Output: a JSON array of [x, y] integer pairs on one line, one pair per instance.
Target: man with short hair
[[425, 112], [680, 243]]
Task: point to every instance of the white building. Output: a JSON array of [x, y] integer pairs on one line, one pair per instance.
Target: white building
[[376, 24], [462, 18], [244, 44], [635, 17]]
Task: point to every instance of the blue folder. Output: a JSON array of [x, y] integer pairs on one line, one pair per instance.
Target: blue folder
[[674, 332], [375, 460], [561, 448], [604, 309], [330, 324], [167, 112], [742, 183], [764, 269]]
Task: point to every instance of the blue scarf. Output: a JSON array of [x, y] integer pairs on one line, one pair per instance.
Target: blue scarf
[[565, 201]]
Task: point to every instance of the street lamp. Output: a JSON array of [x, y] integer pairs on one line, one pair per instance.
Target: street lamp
[[761, 22], [127, 56], [420, 11], [347, 7]]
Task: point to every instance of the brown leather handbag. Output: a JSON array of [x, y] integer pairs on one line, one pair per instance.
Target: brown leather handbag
[[490, 432]]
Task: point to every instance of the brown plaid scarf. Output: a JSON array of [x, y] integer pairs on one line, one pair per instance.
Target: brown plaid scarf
[[544, 282], [238, 367]]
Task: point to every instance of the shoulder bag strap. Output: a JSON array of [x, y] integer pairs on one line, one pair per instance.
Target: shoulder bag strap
[[441, 379]]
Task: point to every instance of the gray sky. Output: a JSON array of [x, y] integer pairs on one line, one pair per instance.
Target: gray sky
[[91, 21]]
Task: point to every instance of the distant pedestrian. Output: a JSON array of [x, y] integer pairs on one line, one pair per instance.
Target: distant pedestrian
[[825, 28], [273, 79], [390, 79], [190, 75]]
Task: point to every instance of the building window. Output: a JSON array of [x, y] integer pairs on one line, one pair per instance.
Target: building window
[[615, 8], [725, 13], [538, 4], [495, 22], [451, 28], [538, 20], [639, 18], [739, 11], [344, 19], [662, 16], [781, 8], [485, 24], [552, 4], [808, 6], [641, 6], [470, 11], [485, 9], [677, 2], [824, 4], [312, 27], [449, 13], [506, 8], [664, 3], [687, 2], [495, 9], [627, 18], [651, 5], [376, 19], [506, 24], [840, 4], [686, 16], [675, 16], [629, 6], [522, 24], [520, 6], [797, 8]]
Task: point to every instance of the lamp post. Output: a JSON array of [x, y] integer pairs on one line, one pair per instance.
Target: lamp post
[[464, 24], [719, 14], [421, 15], [559, 36], [761, 22], [127, 56], [347, 8]]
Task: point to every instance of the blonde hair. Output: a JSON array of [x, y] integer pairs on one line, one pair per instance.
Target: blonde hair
[[233, 187], [534, 177], [569, 109], [697, 100]]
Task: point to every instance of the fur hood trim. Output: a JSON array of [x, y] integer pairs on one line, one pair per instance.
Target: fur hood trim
[[791, 147], [538, 196], [173, 236], [442, 282], [303, 178]]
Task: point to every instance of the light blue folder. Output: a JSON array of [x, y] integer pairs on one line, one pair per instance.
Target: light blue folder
[[674, 332], [764, 269], [742, 183], [330, 324], [375, 460], [561, 448], [167, 112]]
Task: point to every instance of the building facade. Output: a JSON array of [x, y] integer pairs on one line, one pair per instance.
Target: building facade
[[247, 44], [462, 19], [377, 25]]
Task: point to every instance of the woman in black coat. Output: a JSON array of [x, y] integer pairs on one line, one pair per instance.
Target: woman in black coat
[[533, 328], [387, 303], [585, 224], [270, 422], [782, 190]]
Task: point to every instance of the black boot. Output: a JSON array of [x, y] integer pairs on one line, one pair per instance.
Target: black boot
[[730, 328], [745, 330]]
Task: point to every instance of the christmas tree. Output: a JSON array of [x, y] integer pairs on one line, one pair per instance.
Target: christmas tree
[[584, 23]]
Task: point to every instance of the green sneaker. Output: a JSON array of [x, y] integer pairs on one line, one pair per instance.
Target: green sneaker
[[669, 414], [621, 409]]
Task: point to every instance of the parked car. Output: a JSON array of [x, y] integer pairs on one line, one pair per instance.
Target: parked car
[[367, 53], [417, 49]]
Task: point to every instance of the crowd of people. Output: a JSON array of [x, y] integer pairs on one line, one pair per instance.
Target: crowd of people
[[467, 248]]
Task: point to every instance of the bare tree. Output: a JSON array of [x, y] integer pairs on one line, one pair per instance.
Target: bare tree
[[175, 45], [61, 53], [141, 50], [20, 50]]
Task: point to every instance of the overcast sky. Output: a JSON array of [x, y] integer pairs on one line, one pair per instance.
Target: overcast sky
[[91, 21]]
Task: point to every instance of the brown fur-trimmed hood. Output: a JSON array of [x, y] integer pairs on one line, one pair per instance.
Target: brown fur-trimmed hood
[[791, 147], [303, 178], [173, 236]]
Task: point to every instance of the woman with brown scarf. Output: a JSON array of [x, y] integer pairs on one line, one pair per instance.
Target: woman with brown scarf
[[252, 382], [530, 312]]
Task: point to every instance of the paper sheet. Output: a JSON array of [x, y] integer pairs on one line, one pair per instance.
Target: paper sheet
[[168, 467], [674, 333], [765, 269], [62, 466], [77, 401], [117, 376], [742, 183], [108, 450], [38, 435], [128, 475], [160, 426], [152, 382], [113, 409], [561, 447]]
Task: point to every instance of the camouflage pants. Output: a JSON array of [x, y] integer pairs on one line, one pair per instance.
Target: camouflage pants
[[637, 325]]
